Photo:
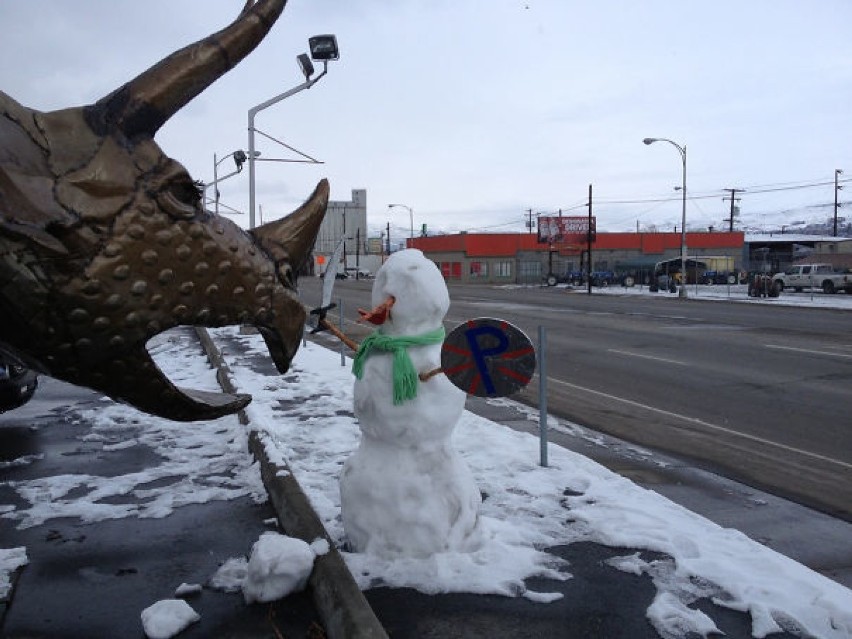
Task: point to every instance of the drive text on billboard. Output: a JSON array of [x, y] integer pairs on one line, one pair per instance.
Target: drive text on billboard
[[565, 229]]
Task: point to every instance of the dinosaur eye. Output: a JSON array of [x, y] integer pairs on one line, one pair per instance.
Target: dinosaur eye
[[285, 274], [181, 198]]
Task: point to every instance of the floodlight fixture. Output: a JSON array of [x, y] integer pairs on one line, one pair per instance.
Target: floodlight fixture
[[324, 47], [239, 159], [305, 65]]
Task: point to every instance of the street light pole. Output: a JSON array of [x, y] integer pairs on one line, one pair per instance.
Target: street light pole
[[410, 215], [682, 151], [239, 159], [215, 184], [323, 48], [251, 115], [837, 187]]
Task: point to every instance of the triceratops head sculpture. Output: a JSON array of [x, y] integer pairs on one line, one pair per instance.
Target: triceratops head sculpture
[[105, 242]]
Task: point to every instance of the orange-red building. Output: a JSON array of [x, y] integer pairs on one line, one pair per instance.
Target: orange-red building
[[520, 258]]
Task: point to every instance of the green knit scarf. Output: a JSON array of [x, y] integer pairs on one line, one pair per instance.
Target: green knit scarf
[[404, 375]]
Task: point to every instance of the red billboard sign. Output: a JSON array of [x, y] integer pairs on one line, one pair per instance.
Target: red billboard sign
[[565, 229]]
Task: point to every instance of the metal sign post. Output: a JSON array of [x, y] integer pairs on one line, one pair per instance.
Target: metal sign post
[[340, 323], [542, 395]]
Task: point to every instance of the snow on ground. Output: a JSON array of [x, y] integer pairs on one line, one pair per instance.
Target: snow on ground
[[527, 509], [10, 560], [199, 467], [196, 465], [739, 293], [308, 415]]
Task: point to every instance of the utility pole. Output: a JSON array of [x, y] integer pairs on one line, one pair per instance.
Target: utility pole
[[589, 243], [734, 199], [358, 253], [388, 239], [343, 237], [837, 187], [530, 222]]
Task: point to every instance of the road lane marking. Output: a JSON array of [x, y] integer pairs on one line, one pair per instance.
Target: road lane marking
[[701, 422], [807, 350], [657, 359]]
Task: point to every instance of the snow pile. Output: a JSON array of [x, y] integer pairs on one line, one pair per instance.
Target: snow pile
[[167, 617], [527, 509], [278, 566]]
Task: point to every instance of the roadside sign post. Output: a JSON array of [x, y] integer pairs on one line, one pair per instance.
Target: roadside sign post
[[340, 323], [542, 395]]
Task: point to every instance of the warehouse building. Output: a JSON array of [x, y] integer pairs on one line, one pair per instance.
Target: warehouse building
[[511, 258]]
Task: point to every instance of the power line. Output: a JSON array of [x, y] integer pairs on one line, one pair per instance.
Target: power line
[[759, 189], [793, 186]]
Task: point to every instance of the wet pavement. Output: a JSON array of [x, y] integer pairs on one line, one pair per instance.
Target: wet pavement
[[93, 580]]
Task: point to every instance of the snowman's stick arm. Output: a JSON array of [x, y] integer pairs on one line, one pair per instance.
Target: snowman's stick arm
[[331, 328], [322, 324], [425, 377]]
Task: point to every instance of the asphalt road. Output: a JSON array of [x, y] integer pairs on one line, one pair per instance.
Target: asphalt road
[[758, 393]]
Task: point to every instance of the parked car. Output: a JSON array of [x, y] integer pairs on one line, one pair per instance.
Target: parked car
[[360, 273], [568, 277], [822, 276], [17, 382], [721, 277], [578, 278]]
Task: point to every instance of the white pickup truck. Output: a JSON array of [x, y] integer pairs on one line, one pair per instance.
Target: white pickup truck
[[822, 276]]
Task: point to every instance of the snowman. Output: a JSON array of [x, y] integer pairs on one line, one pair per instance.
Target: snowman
[[405, 490]]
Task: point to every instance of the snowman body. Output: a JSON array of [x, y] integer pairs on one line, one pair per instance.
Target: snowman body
[[405, 490]]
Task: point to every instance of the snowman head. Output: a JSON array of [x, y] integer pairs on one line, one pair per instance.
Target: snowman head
[[420, 296]]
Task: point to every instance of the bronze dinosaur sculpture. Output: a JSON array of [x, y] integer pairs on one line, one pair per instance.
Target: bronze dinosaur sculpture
[[105, 242]]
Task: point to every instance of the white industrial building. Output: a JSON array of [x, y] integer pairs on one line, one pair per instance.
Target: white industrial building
[[347, 220]]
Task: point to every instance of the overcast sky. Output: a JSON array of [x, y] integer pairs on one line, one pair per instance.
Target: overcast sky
[[471, 112]]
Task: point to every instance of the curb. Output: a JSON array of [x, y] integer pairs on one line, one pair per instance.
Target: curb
[[344, 610]]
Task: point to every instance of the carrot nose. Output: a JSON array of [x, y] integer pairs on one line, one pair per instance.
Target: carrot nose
[[379, 314]]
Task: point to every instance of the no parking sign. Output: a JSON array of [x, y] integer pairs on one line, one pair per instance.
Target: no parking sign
[[488, 357]]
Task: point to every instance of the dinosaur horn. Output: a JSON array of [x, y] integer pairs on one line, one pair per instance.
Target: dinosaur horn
[[292, 238], [145, 103]]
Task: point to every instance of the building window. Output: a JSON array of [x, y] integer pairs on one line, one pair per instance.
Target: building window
[[528, 270], [478, 269], [503, 269], [451, 270]]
